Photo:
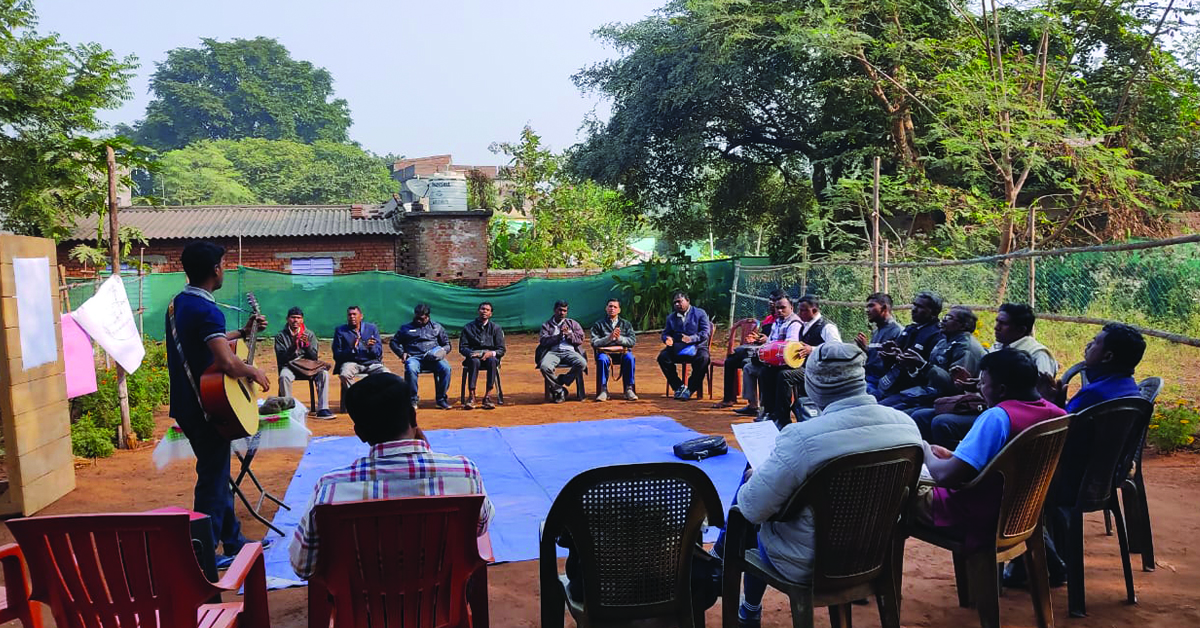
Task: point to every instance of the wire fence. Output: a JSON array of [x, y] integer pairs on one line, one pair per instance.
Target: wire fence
[[1154, 286]]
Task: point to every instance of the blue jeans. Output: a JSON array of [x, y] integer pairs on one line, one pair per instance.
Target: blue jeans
[[213, 496], [753, 588], [603, 360], [415, 365]]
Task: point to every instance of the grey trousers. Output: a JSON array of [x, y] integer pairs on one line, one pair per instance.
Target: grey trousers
[[287, 378]]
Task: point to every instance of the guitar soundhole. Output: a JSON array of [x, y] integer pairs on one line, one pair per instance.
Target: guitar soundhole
[[245, 392]]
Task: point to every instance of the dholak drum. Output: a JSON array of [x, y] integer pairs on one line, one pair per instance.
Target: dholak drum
[[782, 353]]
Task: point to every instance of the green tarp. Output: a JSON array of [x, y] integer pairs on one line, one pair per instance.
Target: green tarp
[[387, 299]]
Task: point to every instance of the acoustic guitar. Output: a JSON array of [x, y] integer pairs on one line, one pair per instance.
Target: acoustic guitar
[[232, 403]]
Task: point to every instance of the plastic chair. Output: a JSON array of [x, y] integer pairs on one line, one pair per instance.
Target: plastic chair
[[1097, 457], [737, 335], [396, 562], [634, 528], [134, 569], [15, 601], [684, 376], [1024, 467], [857, 501], [462, 386]]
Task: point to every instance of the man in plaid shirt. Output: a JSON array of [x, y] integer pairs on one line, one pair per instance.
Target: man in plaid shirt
[[400, 463]]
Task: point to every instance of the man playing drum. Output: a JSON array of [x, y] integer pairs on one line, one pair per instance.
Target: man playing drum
[[770, 361], [777, 386]]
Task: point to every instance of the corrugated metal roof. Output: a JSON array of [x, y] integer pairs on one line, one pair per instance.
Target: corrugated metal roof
[[247, 221]]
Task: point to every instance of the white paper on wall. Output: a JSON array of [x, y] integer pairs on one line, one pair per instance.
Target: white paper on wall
[[108, 319], [35, 311]]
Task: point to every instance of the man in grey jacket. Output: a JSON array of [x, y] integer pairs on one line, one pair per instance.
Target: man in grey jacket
[[851, 422], [613, 338], [558, 343], [297, 342]]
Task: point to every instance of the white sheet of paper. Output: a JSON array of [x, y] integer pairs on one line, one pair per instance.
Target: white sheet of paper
[[757, 440], [35, 311], [108, 319]]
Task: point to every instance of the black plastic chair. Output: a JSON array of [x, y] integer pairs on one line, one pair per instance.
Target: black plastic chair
[[462, 387], [857, 501], [1025, 466], [634, 529], [580, 386], [1101, 447]]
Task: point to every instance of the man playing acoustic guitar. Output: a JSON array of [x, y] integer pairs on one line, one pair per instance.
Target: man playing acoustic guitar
[[199, 332]]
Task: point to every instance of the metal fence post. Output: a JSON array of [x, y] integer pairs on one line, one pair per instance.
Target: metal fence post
[[733, 290]]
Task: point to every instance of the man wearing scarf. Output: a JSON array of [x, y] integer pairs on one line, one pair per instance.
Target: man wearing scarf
[[295, 341]]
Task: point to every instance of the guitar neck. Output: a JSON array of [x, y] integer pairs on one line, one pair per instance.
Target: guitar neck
[[251, 341]]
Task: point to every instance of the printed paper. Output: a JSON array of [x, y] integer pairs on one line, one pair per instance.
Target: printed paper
[[757, 440]]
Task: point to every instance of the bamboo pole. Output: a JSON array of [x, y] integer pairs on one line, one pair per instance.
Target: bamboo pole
[[875, 232], [141, 289], [125, 436], [886, 271], [733, 293], [1032, 260]]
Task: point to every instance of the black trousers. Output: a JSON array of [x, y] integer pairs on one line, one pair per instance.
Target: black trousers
[[212, 495], [669, 357], [733, 366], [471, 367], [776, 385]]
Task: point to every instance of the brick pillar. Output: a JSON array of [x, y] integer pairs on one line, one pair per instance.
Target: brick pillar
[[444, 246]]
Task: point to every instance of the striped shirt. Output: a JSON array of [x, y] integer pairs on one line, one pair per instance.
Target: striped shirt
[[402, 468]]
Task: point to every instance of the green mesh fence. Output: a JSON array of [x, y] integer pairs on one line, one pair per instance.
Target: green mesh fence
[[1155, 288], [387, 299]]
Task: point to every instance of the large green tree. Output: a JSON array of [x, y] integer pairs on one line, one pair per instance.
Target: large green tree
[[237, 89], [254, 170], [51, 171]]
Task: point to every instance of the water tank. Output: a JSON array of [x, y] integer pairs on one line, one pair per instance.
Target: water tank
[[448, 192]]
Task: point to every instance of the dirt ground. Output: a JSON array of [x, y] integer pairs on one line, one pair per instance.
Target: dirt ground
[[128, 481]]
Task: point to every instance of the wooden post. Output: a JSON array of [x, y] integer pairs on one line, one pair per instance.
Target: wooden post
[[875, 232], [886, 248], [125, 435], [1032, 260]]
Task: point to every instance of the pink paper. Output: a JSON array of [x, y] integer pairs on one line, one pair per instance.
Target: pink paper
[[78, 358]]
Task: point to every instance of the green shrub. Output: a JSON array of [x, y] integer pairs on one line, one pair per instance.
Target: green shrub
[[646, 292], [90, 441], [1174, 425], [149, 387]]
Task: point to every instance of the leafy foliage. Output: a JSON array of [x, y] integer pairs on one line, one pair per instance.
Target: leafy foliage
[[1174, 425], [481, 190], [572, 222], [98, 415], [254, 170], [51, 170], [244, 88], [646, 293]]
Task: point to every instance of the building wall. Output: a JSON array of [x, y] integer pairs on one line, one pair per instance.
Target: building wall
[[500, 278], [444, 246], [350, 253]]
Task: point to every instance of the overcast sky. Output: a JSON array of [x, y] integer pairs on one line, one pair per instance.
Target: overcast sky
[[422, 78]]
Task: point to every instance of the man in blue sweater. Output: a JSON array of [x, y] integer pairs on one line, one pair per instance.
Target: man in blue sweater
[[685, 337]]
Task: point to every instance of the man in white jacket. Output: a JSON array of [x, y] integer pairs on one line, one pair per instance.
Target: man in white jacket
[[851, 422]]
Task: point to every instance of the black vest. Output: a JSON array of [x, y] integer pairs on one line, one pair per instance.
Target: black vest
[[813, 337]]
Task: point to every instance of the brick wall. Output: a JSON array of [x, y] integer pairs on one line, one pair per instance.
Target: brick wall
[[350, 253], [500, 278], [444, 246]]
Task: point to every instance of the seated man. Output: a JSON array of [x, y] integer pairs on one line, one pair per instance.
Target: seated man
[[295, 342], [920, 336], [685, 337], [776, 395], [930, 378], [740, 360], [815, 331], [357, 348], [613, 334], [851, 422], [423, 346], [400, 464], [482, 346], [1013, 330], [879, 314], [558, 343], [1008, 382]]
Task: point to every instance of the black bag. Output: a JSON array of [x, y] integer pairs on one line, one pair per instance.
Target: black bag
[[701, 448]]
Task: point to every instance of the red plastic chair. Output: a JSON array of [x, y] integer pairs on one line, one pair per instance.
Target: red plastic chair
[[14, 595], [398, 562], [134, 570], [737, 335]]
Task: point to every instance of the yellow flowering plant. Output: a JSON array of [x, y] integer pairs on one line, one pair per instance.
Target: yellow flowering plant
[[1173, 425]]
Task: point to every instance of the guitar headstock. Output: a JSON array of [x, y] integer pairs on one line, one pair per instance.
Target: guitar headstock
[[253, 302]]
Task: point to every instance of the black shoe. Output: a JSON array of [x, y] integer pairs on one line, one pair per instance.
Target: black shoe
[[560, 395], [747, 411], [325, 415], [443, 404]]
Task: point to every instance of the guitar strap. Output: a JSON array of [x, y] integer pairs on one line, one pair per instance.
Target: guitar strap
[[183, 358]]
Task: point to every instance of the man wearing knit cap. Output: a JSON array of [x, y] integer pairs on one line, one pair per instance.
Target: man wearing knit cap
[[851, 422], [295, 342]]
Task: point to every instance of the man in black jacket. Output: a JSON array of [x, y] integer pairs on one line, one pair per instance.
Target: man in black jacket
[[482, 346], [613, 337], [921, 337]]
